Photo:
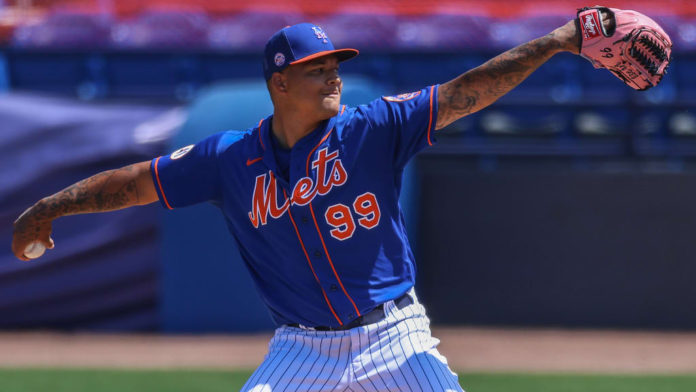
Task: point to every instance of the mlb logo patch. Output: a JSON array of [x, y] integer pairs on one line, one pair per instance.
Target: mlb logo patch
[[279, 59], [401, 97], [181, 152]]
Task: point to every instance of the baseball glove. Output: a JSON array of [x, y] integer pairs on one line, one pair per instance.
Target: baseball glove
[[634, 48]]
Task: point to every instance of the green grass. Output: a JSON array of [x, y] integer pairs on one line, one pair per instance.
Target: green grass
[[50, 380], [491, 382]]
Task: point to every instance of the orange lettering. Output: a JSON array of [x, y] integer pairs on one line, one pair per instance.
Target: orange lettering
[[303, 192], [264, 200]]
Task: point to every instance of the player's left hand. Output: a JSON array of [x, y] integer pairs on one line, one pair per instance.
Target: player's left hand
[[569, 36], [629, 44]]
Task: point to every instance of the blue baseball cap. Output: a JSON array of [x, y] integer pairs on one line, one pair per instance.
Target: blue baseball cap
[[297, 44]]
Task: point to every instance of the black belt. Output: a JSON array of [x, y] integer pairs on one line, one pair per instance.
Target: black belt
[[375, 315]]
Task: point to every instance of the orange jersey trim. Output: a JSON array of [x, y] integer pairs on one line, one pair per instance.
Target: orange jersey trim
[[311, 209], [321, 237], [159, 184], [260, 140], [343, 110], [430, 123], [309, 261], [315, 148]]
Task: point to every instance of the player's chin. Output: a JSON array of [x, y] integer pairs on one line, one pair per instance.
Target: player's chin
[[331, 103]]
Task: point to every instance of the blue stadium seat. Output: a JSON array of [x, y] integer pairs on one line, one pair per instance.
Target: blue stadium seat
[[685, 38], [518, 120], [664, 93], [412, 72], [163, 28], [555, 82], [666, 132], [682, 70], [362, 29], [65, 28], [443, 31], [154, 75], [601, 87], [508, 33], [249, 30], [682, 124], [602, 121]]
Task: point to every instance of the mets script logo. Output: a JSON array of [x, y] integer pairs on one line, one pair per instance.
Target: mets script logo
[[320, 34], [401, 97], [264, 201], [591, 29]]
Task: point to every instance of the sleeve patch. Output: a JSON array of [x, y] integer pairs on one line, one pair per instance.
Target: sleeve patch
[[401, 97], [181, 152]]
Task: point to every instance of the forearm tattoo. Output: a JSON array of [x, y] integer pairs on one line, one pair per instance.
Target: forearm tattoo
[[106, 191], [483, 85]]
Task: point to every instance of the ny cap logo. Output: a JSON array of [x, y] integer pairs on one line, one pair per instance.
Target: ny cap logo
[[320, 34]]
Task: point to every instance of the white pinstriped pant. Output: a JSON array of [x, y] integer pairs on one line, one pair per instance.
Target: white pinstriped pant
[[395, 354]]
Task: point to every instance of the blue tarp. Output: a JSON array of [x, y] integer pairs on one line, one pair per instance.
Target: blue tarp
[[103, 273]]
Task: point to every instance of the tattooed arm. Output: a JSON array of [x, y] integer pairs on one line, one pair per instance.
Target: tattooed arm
[[483, 85], [107, 191]]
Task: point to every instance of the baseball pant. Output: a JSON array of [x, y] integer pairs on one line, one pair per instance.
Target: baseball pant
[[397, 353]]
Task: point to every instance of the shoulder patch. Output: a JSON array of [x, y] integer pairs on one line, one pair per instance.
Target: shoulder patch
[[401, 97], [181, 152]]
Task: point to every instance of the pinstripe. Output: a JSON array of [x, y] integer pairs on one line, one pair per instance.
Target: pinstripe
[[294, 343], [443, 367], [369, 350], [327, 356], [272, 356], [302, 362], [403, 351], [381, 353], [413, 348], [423, 353], [309, 371], [450, 376], [360, 355], [394, 360], [333, 371], [360, 385]]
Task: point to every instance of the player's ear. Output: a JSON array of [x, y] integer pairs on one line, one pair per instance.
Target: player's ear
[[279, 82]]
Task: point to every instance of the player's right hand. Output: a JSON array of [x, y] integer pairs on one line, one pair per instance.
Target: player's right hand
[[28, 228]]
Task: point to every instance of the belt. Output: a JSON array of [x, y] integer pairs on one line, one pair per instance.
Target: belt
[[375, 315]]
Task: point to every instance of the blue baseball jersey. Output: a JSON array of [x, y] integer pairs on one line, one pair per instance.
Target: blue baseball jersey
[[325, 241]]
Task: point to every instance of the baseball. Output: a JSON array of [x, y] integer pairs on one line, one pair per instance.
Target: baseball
[[34, 250]]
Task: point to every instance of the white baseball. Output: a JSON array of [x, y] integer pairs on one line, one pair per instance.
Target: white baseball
[[34, 250]]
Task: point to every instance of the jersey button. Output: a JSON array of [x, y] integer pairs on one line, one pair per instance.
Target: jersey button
[[317, 254], [334, 287], [305, 219]]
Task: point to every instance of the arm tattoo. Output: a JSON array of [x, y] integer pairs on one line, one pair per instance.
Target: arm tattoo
[[106, 191], [483, 85]]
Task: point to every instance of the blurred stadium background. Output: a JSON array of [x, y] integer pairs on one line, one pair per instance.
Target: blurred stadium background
[[567, 204]]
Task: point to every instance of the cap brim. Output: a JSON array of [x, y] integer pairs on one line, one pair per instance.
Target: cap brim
[[342, 54]]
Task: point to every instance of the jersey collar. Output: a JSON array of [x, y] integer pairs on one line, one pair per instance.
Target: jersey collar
[[302, 147]]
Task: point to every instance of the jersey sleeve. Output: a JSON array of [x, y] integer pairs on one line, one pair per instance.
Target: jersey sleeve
[[189, 175], [407, 120]]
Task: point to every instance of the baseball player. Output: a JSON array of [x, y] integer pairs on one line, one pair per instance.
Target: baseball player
[[310, 194]]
